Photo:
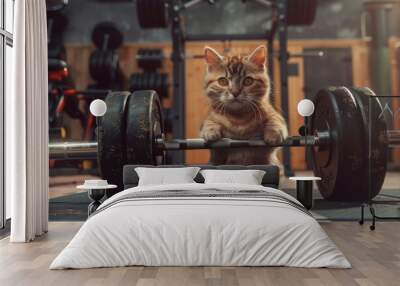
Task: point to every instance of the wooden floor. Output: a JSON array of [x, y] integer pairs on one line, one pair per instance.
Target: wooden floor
[[375, 257]]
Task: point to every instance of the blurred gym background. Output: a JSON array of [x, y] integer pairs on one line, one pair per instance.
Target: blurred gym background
[[99, 45]]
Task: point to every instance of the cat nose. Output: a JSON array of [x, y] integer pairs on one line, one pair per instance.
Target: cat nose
[[235, 94]]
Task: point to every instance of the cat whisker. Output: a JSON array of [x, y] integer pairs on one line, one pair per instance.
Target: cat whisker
[[257, 112], [223, 108], [220, 108], [253, 110]]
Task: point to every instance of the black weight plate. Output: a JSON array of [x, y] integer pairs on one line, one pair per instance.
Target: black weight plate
[[139, 57], [375, 129], [168, 120], [114, 65], [142, 81], [111, 149], [342, 164], [150, 59], [95, 65], [145, 81], [152, 14], [152, 84], [144, 123], [164, 85], [139, 85], [135, 82], [100, 67], [301, 12], [157, 83], [106, 36], [109, 67]]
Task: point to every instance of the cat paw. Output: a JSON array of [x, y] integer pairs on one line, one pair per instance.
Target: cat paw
[[211, 134]]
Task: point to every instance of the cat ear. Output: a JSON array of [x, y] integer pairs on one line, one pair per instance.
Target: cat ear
[[212, 57], [258, 56]]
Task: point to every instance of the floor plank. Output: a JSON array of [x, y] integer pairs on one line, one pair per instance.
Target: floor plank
[[375, 256]]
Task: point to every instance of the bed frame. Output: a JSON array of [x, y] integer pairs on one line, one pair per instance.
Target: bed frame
[[270, 179]]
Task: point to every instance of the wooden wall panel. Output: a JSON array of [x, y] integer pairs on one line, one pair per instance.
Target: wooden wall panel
[[196, 101], [360, 64], [78, 62]]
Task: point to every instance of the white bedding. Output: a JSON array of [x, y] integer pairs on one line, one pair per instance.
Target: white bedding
[[219, 231]]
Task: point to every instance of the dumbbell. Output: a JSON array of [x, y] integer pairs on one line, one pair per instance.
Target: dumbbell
[[104, 61], [346, 130]]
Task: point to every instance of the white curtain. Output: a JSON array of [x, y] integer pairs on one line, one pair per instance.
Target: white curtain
[[27, 124]]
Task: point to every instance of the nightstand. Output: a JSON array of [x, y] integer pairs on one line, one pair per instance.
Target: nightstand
[[96, 190]]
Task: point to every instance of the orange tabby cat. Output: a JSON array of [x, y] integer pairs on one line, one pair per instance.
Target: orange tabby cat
[[238, 89]]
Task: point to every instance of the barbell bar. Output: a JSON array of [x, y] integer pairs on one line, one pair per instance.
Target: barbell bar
[[88, 150], [347, 132]]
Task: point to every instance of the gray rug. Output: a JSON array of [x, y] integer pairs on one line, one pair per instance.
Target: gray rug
[[74, 207]]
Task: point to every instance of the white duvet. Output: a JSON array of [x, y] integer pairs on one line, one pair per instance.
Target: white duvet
[[200, 231]]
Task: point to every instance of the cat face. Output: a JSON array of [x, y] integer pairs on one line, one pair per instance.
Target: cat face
[[236, 85]]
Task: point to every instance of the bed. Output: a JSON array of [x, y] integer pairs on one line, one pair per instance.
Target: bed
[[197, 224]]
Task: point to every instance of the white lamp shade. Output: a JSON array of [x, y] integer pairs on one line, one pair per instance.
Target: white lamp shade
[[305, 107], [98, 107]]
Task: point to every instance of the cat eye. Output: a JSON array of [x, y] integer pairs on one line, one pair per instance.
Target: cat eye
[[223, 81], [248, 81]]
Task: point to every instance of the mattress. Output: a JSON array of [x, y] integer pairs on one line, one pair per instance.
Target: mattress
[[201, 225]]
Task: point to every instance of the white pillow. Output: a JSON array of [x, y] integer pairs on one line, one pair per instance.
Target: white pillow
[[166, 176], [248, 177]]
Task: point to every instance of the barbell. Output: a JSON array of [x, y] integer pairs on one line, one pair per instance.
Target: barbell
[[348, 137]]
